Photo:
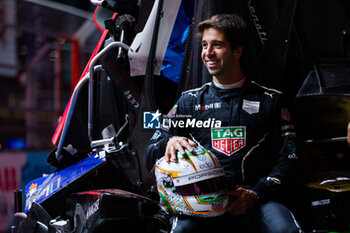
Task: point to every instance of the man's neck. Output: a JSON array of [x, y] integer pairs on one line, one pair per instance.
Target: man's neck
[[235, 74], [238, 84], [234, 78]]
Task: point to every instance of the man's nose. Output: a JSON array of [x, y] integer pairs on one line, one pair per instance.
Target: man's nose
[[210, 51]]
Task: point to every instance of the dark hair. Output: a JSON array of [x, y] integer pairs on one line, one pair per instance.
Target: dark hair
[[232, 25]]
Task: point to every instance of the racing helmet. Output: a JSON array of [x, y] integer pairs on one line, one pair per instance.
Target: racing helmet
[[194, 185]]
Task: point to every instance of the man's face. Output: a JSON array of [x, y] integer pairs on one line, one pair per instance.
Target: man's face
[[217, 55]]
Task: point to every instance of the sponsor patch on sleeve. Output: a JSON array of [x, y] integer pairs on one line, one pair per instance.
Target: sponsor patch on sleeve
[[155, 136], [172, 111]]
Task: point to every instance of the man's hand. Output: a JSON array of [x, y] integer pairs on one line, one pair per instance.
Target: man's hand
[[177, 143], [245, 200]]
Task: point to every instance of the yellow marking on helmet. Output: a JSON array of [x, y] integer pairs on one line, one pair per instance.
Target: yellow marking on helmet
[[188, 159], [173, 173], [211, 156]]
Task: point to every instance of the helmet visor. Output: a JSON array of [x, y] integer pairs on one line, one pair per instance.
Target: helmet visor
[[202, 187]]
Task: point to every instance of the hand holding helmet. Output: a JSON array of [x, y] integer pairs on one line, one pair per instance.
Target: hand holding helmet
[[179, 144], [194, 185]]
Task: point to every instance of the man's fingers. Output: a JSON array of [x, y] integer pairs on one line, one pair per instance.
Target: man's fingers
[[237, 191], [237, 207], [179, 147], [173, 156], [192, 143], [177, 144], [244, 202], [170, 153], [188, 144], [167, 155]]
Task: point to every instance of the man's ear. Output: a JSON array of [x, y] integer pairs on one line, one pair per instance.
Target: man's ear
[[237, 53]]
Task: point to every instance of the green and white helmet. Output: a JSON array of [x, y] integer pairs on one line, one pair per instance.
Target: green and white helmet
[[194, 185]]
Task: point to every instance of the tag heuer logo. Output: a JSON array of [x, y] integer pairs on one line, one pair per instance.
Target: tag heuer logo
[[228, 139]]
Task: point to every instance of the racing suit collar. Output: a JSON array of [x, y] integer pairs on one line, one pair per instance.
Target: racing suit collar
[[228, 93], [238, 84]]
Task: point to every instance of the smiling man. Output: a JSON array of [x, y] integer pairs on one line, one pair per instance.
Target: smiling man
[[255, 141], [217, 55]]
